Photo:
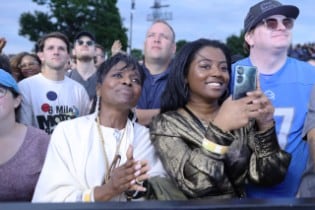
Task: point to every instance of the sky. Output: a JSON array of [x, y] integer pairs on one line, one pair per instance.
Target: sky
[[191, 19]]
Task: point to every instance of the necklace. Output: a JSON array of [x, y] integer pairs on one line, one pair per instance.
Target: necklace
[[117, 157]]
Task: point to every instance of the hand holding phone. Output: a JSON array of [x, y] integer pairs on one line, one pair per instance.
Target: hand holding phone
[[243, 81]]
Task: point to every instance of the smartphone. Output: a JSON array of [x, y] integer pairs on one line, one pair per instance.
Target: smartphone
[[243, 80]]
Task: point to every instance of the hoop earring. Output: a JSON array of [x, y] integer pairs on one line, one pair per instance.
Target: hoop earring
[[134, 115], [186, 91], [97, 105]]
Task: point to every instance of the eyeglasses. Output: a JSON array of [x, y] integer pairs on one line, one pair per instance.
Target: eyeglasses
[[25, 65], [3, 91], [88, 43], [272, 23]]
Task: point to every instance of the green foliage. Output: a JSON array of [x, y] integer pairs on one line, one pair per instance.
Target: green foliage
[[34, 26], [180, 44], [100, 17], [137, 53], [235, 43]]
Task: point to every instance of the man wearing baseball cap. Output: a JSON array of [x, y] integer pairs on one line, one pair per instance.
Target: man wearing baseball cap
[[286, 81], [84, 52]]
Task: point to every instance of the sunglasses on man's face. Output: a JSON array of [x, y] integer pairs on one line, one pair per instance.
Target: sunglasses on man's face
[[88, 43], [272, 23]]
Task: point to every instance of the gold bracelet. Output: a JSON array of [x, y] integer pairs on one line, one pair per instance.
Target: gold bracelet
[[213, 147]]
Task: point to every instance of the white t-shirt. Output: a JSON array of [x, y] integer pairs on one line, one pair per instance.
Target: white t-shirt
[[45, 102]]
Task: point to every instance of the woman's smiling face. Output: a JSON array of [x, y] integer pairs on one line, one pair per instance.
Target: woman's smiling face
[[208, 76]]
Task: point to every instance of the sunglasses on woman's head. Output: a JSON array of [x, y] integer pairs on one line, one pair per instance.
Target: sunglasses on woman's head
[[272, 23], [88, 43]]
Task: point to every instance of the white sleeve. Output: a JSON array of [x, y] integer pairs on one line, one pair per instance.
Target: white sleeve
[[58, 181]]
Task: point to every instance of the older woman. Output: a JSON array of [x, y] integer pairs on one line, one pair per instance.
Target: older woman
[[101, 156], [210, 144], [22, 148]]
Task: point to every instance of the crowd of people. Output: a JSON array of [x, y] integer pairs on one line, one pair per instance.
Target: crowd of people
[[81, 127], [305, 52]]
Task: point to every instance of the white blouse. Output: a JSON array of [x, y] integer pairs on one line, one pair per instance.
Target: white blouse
[[75, 160]]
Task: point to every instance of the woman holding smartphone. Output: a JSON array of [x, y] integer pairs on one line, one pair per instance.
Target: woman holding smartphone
[[209, 144]]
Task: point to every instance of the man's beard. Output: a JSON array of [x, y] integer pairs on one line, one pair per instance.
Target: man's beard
[[85, 58]]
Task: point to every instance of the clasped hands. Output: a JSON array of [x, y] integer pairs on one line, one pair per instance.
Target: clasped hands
[[127, 177]]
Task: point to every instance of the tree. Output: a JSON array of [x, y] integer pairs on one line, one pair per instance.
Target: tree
[[137, 53], [100, 17], [180, 44], [235, 43]]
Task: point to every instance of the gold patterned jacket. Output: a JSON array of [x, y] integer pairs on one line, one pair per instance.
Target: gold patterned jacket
[[201, 173]]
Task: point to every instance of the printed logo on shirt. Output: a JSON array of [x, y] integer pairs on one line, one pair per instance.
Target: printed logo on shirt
[[53, 114], [270, 94]]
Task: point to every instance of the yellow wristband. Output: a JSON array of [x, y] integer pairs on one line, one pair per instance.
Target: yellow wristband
[[213, 147], [88, 195]]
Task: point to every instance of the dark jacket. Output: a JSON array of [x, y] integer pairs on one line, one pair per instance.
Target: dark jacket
[[251, 156]]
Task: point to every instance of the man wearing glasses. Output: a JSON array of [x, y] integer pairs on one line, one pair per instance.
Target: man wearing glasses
[[83, 54], [286, 81]]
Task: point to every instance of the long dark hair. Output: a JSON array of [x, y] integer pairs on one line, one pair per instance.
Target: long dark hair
[[176, 92]]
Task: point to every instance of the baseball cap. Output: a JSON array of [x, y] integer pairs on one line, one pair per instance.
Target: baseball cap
[[7, 80], [265, 9], [84, 33]]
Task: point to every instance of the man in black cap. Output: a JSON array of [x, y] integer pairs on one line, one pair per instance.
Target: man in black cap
[[83, 53], [286, 81]]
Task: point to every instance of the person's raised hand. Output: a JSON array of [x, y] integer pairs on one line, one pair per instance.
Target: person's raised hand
[[261, 109], [116, 47], [3, 42]]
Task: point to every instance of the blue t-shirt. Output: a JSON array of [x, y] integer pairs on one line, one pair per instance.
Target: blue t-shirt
[[289, 91], [152, 90]]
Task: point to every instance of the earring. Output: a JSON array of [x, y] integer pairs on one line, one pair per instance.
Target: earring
[[134, 116], [186, 91], [97, 105]]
